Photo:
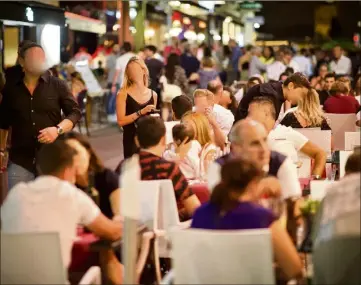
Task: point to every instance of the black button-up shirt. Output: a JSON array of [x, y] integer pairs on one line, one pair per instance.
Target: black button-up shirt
[[27, 114]]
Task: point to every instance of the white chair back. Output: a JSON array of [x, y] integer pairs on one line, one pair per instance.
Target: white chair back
[[168, 210], [32, 258], [340, 124], [148, 193], [320, 138], [222, 257], [344, 155], [319, 189], [352, 139]]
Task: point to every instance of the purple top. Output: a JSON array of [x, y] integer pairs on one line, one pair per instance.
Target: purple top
[[205, 76], [244, 216]]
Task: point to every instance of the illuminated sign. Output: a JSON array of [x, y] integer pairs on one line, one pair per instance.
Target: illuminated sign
[[251, 6], [29, 14]]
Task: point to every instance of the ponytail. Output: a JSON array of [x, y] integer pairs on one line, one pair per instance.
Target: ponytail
[[236, 175], [221, 196]]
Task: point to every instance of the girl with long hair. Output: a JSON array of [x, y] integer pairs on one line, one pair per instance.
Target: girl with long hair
[[207, 149], [134, 100], [308, 114], [234, 206]]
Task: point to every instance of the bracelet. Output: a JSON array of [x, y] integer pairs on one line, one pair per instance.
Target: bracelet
[[139, 113]]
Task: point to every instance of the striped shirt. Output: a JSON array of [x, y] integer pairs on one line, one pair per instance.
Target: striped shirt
[[156, 168]]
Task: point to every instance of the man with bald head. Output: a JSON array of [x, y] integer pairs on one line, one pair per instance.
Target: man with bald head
[[249, 141]]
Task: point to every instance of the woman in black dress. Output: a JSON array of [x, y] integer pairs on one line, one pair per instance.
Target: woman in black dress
[[134, 100]]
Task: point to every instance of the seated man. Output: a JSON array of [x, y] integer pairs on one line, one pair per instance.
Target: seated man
[[249, 141], [150, 137], [52, 203], [262, 110], [336, 233]]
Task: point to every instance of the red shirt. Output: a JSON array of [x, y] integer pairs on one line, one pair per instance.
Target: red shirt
[[341, 104]]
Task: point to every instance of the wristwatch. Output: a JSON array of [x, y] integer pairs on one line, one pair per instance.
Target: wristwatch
[[60, 130]]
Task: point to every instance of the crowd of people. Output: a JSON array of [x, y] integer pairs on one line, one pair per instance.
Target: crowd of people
[[190, 119]]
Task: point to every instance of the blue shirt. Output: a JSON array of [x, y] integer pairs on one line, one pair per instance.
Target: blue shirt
[[245, 215]]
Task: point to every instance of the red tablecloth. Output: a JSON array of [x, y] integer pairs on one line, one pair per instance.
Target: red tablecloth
[[81, 257]]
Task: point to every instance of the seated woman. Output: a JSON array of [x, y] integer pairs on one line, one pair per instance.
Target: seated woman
[[308, 114], [233, 206], [340, 102], [186, 152], [207, 150], [94, 176]]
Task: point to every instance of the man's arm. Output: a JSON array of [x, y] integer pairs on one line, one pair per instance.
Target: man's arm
[[69, 107], [91, 217], [318, 155]]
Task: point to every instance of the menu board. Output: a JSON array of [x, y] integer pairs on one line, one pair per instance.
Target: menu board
[[91, 83]]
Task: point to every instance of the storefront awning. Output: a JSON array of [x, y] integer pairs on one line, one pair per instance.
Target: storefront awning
[[31, 13], [84, 24]]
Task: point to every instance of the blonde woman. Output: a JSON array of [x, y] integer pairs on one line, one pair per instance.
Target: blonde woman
[[134, 100], [207, 150], [308, 114]]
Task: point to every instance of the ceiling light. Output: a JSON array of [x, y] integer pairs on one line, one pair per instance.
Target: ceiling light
[[256, 25]]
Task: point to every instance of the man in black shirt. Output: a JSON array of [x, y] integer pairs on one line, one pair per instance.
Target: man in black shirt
[[330, 79], [155, 67], [32, 106], [294, 88]]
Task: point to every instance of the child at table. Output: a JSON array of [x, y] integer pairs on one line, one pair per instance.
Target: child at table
[[186, 151]]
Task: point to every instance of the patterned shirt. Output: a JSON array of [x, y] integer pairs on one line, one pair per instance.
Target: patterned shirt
[[156, 168]]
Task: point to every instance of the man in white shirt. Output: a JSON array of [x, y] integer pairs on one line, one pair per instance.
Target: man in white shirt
[[121, 64], [285, 139], [341, 65], [304, 62], [249, 141], [224, 117], [283, 60], [51, 203], [219, 118]]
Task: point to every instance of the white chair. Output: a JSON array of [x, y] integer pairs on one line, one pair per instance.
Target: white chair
[[35, 258], [160, 213], [352, 139], [340, 124], [318, 189], [344, 155], [222, 257], [320, 138]]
